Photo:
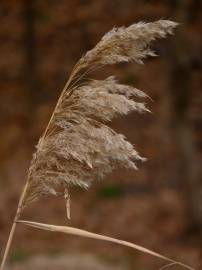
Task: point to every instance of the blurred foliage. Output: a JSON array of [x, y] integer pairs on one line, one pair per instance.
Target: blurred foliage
[[19, 255], [111, 191]]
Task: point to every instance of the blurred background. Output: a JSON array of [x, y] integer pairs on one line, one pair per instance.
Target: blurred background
[[160, 205]]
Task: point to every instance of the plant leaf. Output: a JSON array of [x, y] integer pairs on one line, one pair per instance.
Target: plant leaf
[[79, 232]]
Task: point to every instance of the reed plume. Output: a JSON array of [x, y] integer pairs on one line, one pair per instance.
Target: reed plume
[[77, 146]]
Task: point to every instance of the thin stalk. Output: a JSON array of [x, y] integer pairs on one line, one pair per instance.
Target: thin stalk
[[75, 70], [12, 231], [20, 205]]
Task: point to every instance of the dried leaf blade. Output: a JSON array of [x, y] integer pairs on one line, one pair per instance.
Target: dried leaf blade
[[87, 234]]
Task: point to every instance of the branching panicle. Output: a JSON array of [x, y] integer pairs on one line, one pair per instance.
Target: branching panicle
[[128, 44], [77, 146]]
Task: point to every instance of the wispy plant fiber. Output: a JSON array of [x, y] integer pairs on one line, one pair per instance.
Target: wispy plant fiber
[[78, 146]]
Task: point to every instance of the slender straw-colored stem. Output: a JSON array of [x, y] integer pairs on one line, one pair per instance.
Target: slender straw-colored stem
[[8, 245], [75, 70], [18, 212], [12, 231]]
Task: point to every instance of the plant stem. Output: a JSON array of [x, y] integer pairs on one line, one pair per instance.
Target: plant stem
[[8, 245], [18, 212], [75, 70], [12, 231]]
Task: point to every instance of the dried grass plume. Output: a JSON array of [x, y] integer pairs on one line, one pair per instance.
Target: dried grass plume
[[78, 146]]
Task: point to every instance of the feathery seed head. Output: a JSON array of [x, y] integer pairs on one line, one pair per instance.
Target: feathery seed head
[[78, 146]]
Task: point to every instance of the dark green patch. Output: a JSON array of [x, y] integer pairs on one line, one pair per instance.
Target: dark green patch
[[19, 255], [43, 17], [111, 191], [129, 78]]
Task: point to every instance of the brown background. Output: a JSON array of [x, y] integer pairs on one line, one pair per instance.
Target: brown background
[[159, 206]]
